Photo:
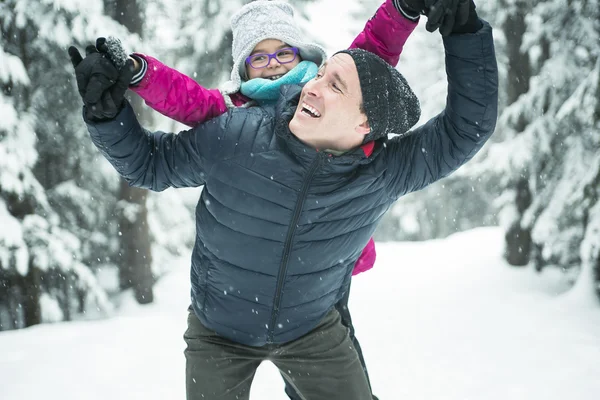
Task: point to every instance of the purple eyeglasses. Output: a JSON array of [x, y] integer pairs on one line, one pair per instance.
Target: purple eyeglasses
[[283, 56]]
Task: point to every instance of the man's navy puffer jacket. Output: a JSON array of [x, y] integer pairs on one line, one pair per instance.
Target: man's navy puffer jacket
[[279, 224]]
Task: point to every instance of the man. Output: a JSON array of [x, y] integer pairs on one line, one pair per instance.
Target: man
[[292, 193]]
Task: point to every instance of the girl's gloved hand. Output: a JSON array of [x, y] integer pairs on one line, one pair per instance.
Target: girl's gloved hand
[[113, 48], [115, 52]]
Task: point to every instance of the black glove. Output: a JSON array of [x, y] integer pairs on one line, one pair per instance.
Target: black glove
[[411, 9], [450, 16], [473, 23], [101, 86]]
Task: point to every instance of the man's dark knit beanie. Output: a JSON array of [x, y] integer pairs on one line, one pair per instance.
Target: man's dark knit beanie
[[388, 101]]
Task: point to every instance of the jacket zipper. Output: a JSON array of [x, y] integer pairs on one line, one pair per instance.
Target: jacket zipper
[[288, 244]]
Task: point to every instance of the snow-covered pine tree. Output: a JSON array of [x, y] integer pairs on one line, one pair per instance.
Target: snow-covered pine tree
[[55, 213], [550, 135]]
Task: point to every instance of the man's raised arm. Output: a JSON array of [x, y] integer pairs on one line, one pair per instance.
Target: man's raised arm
[[453, 137], [157, 160], [148, 160]]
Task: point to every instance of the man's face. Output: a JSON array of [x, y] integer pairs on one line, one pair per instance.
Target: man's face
[[329, 113], [274, 70]]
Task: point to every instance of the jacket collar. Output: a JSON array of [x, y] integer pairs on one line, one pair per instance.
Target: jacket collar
[[368, 148]]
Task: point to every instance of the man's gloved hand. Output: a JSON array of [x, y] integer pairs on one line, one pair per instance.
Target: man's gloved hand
[[101, 86], [473, 23], [446, 14]]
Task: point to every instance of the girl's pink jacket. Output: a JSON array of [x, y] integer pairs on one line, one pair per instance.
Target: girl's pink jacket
[[181, 98]]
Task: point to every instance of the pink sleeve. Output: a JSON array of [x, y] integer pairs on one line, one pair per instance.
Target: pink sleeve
[[385, 33], [178, 96], [366, 260]]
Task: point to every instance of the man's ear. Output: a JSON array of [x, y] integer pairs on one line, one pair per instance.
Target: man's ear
[[363, 128]]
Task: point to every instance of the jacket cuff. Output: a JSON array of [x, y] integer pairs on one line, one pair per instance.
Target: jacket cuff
[[397, 17], [122, 119], [137, 78], [407, 13], [471, 45]]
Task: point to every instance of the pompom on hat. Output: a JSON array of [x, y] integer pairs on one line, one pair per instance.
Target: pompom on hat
[[261, 20], [388, 101]]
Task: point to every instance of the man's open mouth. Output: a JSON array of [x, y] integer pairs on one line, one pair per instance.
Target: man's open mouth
[[310, 111]]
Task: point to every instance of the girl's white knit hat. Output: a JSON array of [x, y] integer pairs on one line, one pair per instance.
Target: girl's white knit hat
[[260, 20]]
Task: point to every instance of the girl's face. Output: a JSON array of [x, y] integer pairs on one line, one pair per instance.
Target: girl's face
[[274, 69]]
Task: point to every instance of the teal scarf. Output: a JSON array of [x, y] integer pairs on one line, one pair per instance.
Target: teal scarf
[[266, 91]]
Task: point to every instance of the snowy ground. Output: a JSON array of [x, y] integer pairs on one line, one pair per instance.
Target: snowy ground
[[437, 320]]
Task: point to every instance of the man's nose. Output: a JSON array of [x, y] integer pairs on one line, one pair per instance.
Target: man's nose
[[313, 88]]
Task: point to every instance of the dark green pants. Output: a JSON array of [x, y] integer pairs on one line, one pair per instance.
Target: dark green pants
[[321, 365], [342, 307]]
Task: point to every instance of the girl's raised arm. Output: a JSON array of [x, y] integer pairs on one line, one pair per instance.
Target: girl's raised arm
[[386, 33]]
